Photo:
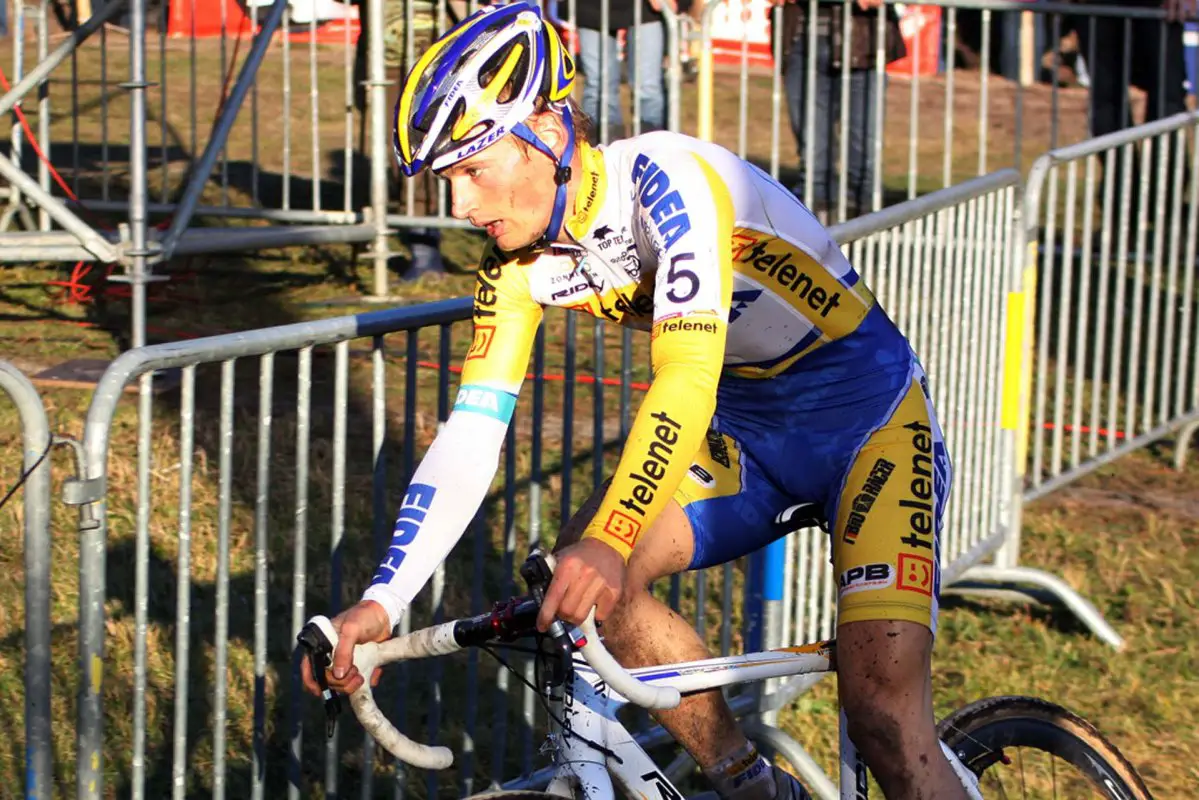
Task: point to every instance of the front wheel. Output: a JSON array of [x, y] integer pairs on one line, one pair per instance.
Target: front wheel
[[1025, 747]]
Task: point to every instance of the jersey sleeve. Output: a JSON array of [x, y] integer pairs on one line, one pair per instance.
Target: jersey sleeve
[[456, 472], [686, 214]]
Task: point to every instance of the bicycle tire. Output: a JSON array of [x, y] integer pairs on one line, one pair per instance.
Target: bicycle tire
[[979, 732]]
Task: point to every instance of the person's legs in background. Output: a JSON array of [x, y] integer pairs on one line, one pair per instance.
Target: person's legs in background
[[590, 44], [821, 124], [864, 127], [644, 49]]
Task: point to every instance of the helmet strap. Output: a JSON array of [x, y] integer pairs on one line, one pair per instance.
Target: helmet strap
[[562, 173]]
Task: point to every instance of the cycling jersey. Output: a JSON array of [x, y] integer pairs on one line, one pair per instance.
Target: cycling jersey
[[738, 284]]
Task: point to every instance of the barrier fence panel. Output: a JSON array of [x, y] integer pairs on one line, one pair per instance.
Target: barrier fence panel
[[36, 442], [269, 465], [1110, 230]]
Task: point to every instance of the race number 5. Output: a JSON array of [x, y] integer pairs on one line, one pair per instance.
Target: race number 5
[[687, 277]]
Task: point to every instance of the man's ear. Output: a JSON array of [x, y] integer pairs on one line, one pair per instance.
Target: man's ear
[[550, 129]]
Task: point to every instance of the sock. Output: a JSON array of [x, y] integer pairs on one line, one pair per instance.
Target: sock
[[744, 775]]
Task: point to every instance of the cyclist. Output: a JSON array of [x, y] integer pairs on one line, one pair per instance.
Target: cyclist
[[777, 378]]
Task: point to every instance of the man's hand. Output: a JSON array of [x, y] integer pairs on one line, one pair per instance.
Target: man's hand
[[1181, 10], [365, 622], [589, 573], [866, 5], [656, 5]]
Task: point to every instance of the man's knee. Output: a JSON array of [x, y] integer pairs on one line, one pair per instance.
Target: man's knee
[[883, 679]]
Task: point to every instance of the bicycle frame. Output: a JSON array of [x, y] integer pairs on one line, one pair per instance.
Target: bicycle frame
[[588, 707]]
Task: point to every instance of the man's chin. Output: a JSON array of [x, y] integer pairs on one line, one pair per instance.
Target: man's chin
[[513, 241]]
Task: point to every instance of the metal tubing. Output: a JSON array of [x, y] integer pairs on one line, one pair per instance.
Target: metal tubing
[[58, 212], [377, 87], [300, 558], [35, 445], [187, 433], [69, 45], [266, 384], [224, 123], [137, 170], [141, 581], [220, 695]]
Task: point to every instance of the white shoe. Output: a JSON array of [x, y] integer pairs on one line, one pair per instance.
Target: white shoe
[[787, 787]]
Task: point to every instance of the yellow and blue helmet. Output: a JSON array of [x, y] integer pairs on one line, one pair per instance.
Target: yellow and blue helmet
[[478, 83]]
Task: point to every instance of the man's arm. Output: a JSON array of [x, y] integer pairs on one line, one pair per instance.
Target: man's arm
[[690, 225], [456, 472]]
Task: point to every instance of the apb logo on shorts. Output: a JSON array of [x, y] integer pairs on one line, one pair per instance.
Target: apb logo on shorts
[[866, 578]]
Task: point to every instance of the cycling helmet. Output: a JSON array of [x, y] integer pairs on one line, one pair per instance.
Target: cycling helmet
[[480, 82]]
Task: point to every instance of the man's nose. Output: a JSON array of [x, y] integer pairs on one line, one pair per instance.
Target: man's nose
[[461, 200]]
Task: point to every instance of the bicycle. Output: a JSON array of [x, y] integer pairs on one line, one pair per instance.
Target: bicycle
[[585, 686]]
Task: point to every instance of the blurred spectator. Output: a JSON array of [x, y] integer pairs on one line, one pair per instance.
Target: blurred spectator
[[645, 47], [864, 86], [423, 243], [1146, 53]]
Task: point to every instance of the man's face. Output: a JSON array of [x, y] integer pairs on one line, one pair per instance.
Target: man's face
[[506, 190]]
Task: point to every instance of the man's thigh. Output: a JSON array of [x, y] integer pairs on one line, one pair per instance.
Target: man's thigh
[[724, 508], [886, 534]]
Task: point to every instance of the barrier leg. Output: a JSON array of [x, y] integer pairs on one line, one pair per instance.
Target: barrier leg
[[1057, 588], [39, 752], [1183, 445]]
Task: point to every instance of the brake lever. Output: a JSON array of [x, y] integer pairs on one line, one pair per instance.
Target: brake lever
[[537, 576], [319, 651]]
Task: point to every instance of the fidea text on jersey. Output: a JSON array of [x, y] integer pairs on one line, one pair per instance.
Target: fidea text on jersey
[[665, 206]]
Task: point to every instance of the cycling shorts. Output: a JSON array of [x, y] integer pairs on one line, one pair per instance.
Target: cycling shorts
[[852, 430]]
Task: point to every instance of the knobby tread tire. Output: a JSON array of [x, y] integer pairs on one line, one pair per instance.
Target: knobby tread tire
[[980, 730]]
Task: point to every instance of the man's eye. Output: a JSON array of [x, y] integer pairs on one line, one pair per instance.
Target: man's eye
[[474, 172]]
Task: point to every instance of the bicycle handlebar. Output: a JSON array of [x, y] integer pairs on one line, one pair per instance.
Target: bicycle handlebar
[[451, 637]]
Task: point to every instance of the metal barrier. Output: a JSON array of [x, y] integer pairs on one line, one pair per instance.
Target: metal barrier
[[1114, 258], [35, 478]]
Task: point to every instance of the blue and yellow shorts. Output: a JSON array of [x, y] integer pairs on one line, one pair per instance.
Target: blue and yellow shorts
[[851, 428]]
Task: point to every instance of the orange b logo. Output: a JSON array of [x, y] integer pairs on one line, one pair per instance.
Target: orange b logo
[[482, 342], [623, 527], [915, 574]]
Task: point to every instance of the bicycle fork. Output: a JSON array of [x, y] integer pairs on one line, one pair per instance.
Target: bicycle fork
[[582, 770]]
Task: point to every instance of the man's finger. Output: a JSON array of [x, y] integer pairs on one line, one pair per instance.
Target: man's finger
[[559, 584], [343, 656], [375, 676], [350, 684], [605, 603], [581, 603], [308, 679]]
